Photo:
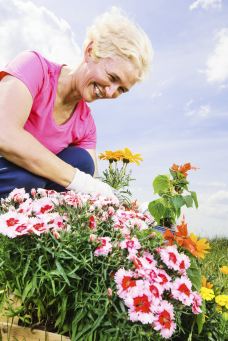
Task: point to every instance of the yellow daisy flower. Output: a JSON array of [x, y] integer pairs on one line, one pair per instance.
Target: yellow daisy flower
[[207, 294], [201, 246], [128, 156], [222, 300], [111, 156], [224, 269]]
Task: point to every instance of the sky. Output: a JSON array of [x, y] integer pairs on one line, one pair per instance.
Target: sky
[[178, 114]]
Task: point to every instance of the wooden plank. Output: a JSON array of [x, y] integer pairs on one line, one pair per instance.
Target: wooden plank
[[18, 333]]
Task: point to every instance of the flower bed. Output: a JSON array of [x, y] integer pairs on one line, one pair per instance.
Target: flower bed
[[87, 267]]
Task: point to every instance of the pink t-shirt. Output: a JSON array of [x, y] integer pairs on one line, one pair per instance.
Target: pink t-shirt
[[41, 78]]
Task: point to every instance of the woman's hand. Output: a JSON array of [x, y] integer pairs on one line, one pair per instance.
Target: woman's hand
[[85, 183]]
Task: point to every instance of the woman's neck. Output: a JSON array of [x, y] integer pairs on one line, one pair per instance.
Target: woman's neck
[[66, 91]]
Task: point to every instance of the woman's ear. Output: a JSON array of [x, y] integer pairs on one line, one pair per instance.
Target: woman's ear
[[88, 51]]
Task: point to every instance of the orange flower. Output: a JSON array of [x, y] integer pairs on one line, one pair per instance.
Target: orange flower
[[169, 236], [189, 245], [205, 283], [182, 230], [199, 246], [175, 168], [182, 237], [183, 169]]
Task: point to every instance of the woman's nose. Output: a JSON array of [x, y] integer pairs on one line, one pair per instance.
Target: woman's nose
[[111, 91]]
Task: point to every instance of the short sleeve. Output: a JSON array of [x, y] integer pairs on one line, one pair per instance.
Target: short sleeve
[[89, 139], [28, 68]]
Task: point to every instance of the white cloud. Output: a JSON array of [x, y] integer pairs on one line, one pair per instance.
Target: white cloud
[[206, 4], [217, 63], [201, 112], [212, 216], [219, 198], [27, 26], [213, 184]]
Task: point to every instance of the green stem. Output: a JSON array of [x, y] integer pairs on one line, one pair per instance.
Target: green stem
[[190, 335]]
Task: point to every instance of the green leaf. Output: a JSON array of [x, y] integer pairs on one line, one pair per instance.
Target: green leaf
[[174, 174], [26, 290], [26, 268], [177, 201], [63, 308], [188, 200], [194, 274], [40, 308], [161, 183], [200, 319], [194, 197], [62, 272], [156, 209]]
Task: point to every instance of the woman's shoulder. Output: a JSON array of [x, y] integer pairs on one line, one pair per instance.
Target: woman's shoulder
[[47, 64]]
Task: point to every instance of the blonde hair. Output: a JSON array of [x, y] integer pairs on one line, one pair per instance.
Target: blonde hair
[[113, 34]]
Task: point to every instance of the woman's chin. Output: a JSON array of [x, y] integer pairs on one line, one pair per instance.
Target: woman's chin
[[89, 97]]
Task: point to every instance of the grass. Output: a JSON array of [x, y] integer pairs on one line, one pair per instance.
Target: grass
[[216, 258]]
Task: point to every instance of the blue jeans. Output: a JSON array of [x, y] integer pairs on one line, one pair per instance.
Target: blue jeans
[[12, 176]]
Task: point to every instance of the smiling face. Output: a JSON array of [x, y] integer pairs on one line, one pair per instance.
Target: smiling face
[[106, 78]]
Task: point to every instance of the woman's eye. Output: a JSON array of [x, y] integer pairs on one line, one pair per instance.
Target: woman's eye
[[112, 78]]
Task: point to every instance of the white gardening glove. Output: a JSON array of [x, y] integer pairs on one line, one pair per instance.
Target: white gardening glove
[[85, 183]]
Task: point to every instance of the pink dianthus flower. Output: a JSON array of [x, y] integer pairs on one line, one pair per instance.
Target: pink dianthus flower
[[181, 290], [163, 320]]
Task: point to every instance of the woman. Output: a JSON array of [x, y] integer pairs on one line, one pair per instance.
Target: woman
[[47, 134]]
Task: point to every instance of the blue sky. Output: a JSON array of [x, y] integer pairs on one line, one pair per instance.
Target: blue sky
[[178, 114]]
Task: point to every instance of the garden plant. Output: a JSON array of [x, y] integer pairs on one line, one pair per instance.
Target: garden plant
[[92, 268]]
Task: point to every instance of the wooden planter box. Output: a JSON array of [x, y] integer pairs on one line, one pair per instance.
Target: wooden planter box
[[10, 331]]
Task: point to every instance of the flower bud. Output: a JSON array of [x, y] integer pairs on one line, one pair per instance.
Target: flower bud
[[55, 234], [109, 292], [152, 235], [92, 238], [92, 223]]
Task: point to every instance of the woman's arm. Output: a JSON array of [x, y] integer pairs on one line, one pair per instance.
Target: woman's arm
[[93, 154], [19, 146]]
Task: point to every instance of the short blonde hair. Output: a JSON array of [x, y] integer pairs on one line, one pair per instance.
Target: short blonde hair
[[113, 34]]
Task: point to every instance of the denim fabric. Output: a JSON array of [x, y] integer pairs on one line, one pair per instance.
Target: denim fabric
[[162, 229], [12, 176]]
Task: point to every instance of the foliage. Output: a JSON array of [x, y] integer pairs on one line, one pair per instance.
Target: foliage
[[174, 194], [212, 323], [216, 324], [86, 267]]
